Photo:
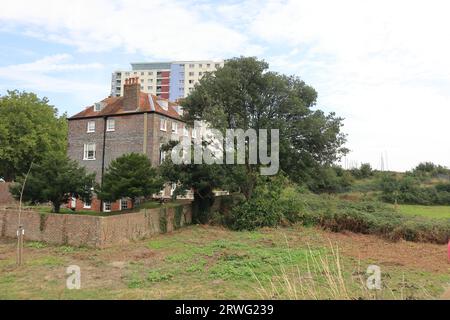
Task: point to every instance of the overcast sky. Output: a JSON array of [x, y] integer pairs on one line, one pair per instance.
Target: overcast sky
[[383, 65]]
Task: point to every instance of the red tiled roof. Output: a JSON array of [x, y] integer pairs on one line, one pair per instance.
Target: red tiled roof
[[114, 106]]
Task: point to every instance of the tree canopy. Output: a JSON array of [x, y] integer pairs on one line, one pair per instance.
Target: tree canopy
[[130, 176], [55, 178], [244, 94], [29, 129]]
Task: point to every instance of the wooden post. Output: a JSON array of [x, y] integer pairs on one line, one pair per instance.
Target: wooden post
[[20, 234], [21, 230], [448, 250]]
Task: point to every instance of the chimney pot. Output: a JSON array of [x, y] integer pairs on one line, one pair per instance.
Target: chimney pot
[[131, 94]]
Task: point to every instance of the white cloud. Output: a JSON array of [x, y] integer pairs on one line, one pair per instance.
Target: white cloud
[[45, 75], [382, 64], [160, 29]]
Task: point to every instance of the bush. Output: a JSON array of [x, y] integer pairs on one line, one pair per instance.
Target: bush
[[275, 202], [278, 203], [330, 180], [407, 190], [374, 217], [363, 172]]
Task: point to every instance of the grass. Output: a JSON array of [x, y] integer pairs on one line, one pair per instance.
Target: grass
[[201, 262], [435, 212]]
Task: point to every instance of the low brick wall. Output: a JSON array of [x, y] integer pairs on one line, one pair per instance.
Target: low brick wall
[[93, 231]]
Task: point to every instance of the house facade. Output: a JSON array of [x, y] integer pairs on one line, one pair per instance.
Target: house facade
[[136, 122]]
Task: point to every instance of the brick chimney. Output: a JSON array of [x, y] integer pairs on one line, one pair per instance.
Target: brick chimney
[[131, 94]]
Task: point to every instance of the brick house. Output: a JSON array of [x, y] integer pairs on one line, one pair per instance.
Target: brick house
[[136, 122]]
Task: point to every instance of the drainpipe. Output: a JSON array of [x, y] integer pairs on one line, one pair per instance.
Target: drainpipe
[[144, 149], [105, 119]]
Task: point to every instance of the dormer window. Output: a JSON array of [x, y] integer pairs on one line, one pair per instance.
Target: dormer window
[[97, 107], [179, 110], [164, 104]]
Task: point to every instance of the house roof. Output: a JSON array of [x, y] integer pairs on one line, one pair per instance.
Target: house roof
[[113, 106]]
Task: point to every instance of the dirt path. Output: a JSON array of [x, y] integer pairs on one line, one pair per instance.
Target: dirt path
[[424, 256], [446, 294]]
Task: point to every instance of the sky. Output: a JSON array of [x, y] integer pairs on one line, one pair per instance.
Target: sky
[[384, 66]]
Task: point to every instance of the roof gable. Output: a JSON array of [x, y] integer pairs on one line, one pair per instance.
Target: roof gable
[[114, 107]]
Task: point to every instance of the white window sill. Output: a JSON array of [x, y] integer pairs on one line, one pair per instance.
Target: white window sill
[[110, 130], [90, 131], [89, 159]]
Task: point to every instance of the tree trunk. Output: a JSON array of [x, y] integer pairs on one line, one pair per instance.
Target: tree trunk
[[203, 200], [56, 206], [249, 186]]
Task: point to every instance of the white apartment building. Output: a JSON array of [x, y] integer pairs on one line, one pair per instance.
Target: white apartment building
[[168, 80]]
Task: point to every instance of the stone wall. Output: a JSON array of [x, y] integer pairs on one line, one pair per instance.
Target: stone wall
[[94, 231]]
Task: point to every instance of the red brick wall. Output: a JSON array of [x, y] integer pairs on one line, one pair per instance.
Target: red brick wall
[[93, 231]]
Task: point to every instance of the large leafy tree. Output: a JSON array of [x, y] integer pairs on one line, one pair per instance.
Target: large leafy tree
[[29, 128], [244, 94], [202, 179], [55, 178], [131, 176]]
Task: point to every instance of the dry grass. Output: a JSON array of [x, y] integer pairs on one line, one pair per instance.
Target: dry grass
[[325, 278]]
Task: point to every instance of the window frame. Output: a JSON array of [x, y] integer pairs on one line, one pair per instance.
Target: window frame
[[89, 129], [161, 122], [86, 151], [108, 121], [87, 206], [174, 126], [104, 206], [122, 201], [162, 154]]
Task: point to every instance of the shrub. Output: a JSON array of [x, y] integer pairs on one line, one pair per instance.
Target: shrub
[[374, 217], [266, 208]]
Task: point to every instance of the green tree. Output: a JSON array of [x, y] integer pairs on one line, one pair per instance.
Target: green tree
[[202, 179], [55, 178], [29, 129], [363, 172], [244, 94], [130, 176]]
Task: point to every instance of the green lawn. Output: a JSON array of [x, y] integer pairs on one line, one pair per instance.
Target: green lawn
[[437, 212]]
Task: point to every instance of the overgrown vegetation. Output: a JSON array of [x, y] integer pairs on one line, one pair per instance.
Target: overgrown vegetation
[[427, 184], [280, 203]]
